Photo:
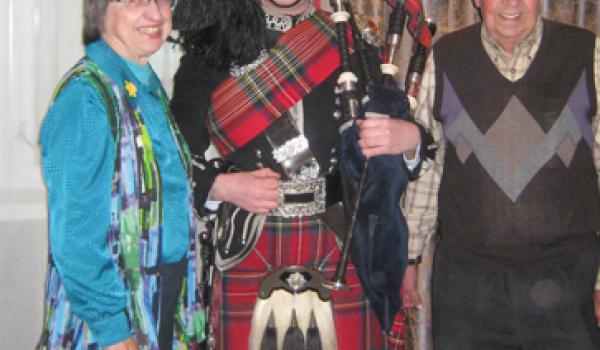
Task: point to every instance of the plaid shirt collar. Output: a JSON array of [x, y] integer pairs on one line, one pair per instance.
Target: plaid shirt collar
[[513, 68]]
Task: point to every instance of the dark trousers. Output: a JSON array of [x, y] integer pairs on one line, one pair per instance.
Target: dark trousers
[[484, 309], [171, 278]]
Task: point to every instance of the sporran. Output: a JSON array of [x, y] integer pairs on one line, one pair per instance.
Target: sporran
[[293, 311]]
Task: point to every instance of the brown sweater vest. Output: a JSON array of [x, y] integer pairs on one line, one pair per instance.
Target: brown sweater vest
[[519, 188]]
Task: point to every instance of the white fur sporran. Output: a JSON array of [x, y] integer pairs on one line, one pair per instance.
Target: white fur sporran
[[292, 298]]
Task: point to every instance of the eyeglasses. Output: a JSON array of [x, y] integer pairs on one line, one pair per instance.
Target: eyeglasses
[[136, 4]]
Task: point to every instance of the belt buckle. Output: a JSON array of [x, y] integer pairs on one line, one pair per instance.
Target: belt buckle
[[299, 188]]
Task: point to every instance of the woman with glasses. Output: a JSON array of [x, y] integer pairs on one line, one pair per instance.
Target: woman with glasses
[[121, 264]]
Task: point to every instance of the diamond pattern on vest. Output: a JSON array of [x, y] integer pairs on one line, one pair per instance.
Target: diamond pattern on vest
[[515, 148], [566, 150], [463, 149], [514, 135]]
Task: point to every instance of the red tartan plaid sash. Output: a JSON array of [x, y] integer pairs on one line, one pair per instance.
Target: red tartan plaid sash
[[242, 107]]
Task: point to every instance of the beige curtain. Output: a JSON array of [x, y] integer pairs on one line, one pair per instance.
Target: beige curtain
[[454, 14]]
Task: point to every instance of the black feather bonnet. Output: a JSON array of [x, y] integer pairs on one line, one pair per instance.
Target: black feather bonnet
[[219, 33]]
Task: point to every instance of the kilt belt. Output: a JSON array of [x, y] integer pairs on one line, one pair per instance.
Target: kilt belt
[[301, 197]]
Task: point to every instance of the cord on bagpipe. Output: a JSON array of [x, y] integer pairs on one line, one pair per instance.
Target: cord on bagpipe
[[377, 236]]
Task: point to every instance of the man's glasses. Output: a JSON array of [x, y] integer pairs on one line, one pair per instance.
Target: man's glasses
[[136, 4]]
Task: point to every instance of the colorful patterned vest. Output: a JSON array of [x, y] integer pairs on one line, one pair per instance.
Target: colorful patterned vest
[[134, 236]]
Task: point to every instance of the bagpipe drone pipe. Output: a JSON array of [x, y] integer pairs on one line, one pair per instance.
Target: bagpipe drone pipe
[[377, 238]]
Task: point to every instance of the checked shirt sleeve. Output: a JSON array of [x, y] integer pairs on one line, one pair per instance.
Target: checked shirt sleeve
[[420, 202]]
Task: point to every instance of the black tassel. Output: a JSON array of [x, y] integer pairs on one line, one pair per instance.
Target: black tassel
[[294, 339], [313, 337], [269, 340]]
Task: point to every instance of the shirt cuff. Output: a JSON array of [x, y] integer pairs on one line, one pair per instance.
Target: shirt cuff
[[211, 204], [111, 330], [416, 245], [413, 163]]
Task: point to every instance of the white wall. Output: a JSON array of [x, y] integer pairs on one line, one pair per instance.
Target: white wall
[[39, 42]]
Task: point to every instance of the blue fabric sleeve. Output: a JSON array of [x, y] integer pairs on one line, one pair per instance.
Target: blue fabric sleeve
[[78, 162]]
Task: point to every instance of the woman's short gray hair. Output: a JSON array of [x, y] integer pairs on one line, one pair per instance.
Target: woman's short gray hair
[[93, 19]]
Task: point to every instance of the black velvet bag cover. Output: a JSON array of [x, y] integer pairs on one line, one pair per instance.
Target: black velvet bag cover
[[379, 248]]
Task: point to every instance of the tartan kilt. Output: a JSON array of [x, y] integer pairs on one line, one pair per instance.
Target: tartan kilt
[[284, 242]]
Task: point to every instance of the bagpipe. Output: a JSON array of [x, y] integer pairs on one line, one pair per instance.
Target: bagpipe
[[377, 238]]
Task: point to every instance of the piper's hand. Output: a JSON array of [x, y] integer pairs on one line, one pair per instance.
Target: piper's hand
[[597, 305], [127, 344], [255, 191], [410, 293], [380, 134]]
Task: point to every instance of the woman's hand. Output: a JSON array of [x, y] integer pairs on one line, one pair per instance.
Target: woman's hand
[[127, 344], [380, 135], [255, 191]]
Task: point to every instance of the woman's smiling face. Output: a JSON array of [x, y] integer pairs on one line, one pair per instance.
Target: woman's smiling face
[[137, 30]]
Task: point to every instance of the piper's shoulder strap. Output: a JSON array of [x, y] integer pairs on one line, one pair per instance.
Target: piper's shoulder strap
[[242, 107]]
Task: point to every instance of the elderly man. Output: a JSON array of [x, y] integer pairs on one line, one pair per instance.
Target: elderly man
[[515, 101]]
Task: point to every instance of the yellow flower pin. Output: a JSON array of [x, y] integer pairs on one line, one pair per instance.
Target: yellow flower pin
[[131, 89]]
